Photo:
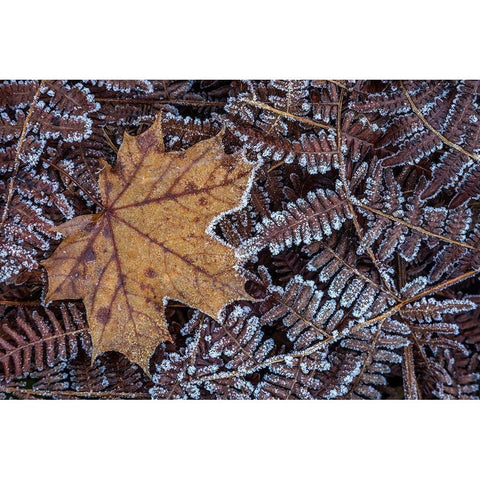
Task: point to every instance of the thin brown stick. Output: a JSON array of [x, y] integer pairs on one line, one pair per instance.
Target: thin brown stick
[[32, 303], [274, 167], [282, 113], [149, 101], [294, 380], [109, 141], [51, 393], [339, 84], [410, 382]]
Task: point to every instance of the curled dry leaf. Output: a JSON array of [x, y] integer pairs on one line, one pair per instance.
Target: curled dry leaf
[[152, 242]]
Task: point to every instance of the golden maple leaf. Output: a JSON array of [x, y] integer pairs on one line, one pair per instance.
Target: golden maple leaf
[[151, 242]]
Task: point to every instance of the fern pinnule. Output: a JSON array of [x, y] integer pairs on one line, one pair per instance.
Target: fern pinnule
[[31, 340], [307, 220]]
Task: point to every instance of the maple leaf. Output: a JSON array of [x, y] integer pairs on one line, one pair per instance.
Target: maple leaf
[[153, 241]]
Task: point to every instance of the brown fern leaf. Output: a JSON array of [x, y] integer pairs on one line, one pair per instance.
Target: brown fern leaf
[[302, 309], [18, 93], [182, 132], [469, 187], [33, 339], [291, 380], [428, 310], [469, 327], [360, 136], [416, 221], [11, 128], [286, 265], [358, 288], [421, 145], [135, 87], [308, 219], [69, 99], [379, 348], [325, 97]]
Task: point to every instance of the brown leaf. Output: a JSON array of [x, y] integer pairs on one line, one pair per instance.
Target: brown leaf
[[151, 242]]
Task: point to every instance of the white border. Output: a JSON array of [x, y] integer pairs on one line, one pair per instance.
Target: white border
[[239, 440], [248, 39], [251, 39]]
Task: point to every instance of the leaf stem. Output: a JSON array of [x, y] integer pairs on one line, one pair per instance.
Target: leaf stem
[[282, 113], [51, 393]]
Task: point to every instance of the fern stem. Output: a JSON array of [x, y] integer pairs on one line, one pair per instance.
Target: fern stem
[[410, 384], [294, 381], [282, 113], [72, 394], [194, 103], [339, 84], [23, 303], [110, 142]]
